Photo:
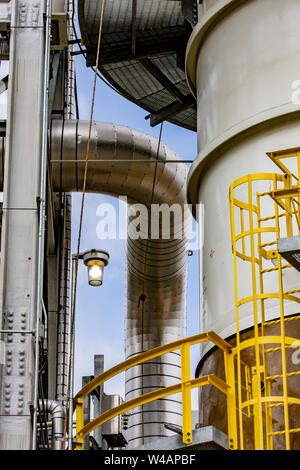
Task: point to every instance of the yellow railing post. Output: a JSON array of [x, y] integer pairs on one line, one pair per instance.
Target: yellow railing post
[[256, 380], [79, 423], [186, 394], [231, 400]]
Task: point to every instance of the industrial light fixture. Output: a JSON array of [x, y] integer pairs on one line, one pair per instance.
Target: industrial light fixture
[[95, 260], [289, 249]]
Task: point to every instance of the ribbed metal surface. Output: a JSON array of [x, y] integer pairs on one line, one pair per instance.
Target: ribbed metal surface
[[155, 268], [64, 302], [156, 22]]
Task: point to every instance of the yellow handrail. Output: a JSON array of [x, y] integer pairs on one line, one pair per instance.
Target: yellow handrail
[[185, 386]]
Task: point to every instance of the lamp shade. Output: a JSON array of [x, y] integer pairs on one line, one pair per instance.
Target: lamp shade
[[95, 260]]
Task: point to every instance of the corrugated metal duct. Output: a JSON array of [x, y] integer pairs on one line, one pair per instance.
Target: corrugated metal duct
[[156, 269]]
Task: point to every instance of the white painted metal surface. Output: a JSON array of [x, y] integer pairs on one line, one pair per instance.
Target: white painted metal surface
[[242, 72]]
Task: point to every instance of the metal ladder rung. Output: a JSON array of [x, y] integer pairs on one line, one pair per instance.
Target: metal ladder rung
[[275, 405], [289, 292], [267, 193], [265, 219], [286, 319], [263, 271], [263, 245], [279, 433], [279, 376], [278, 349]]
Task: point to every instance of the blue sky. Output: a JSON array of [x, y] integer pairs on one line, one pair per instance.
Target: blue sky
[[100, 312]]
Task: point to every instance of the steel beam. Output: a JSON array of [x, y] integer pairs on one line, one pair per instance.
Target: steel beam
[[20, 231], [171, 110]]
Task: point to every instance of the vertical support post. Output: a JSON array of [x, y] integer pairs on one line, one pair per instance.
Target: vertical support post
[[282, 337], [288, 203], [22, 228], [231, 400], [86, 410], [79, 423], [72, 349], [259, 441], [98, 369], [238, 339], [256, 385], [186, 394]]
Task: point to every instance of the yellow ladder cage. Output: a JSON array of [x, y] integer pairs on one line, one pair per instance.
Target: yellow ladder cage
[[264, 361], [257, 369]]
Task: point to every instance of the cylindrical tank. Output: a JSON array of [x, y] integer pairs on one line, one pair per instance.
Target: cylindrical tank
[[242, 65]]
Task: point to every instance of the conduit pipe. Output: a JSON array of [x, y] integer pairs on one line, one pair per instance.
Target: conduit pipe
[[57, 412], [156, 269]]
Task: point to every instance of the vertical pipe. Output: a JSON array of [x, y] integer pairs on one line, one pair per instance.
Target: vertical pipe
[[63, 316], [42, 213], [62, 353], [70, 423], [70, 82]]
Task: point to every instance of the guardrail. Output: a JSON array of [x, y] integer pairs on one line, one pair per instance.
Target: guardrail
[[185, 386]]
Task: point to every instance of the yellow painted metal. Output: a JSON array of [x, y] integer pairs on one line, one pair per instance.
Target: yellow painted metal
[[152, 353], [286, 208], [148, 397], [231, 400], [79, 423], [243, 382], [186, 394], [185, 386]]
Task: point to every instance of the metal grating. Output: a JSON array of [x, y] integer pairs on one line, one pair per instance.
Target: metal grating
[[142, 54]]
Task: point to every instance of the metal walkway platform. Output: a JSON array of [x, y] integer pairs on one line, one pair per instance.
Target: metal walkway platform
[[207, 438]]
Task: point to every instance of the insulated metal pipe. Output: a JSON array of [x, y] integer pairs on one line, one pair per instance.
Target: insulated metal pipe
[[156, 268], [57, 412]]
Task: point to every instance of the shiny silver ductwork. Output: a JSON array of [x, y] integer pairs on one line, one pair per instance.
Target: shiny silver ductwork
[[57, 412], [156, 269]]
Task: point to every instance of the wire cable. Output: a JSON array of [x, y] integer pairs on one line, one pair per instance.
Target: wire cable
[[80, 222], [84, 55]]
